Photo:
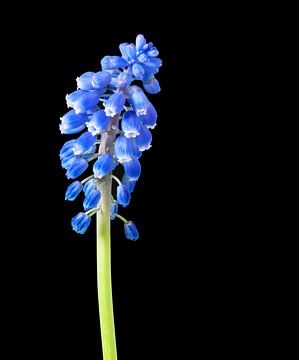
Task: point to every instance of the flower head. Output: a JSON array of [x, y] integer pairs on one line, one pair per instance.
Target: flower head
[[111, 106]]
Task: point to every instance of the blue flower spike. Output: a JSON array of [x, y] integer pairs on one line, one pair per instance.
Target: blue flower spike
[[112, 116]]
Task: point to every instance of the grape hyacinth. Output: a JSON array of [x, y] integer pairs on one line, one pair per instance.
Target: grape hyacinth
[[113, 117]]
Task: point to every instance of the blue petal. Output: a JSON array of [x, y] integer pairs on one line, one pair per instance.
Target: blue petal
[[103, 166], [89, 186], [130, 184], [124, 80], [80, 223], [84, 142], [136, 152], [123, 149], [132, 169], [84, 81], [67, 149], [140, 42], [76, 168], [153, 52], [98, 122], [72, 123], [131, 231], [123, 195], [115, 104], [150, 118], [130, 124], [153, 64], [131, 51], [68, 161], [143, 58], [144, 139], [123, 50], [138, 100], [113, 62], [152, 87], [73, 190], [73, 97], [101, 79], [86, 101], [91, 200], [138, 71]]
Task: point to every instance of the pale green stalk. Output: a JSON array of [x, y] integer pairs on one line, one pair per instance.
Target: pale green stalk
[[104, 253], [104, 275]]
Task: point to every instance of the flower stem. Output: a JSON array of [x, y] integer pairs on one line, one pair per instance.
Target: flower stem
[[104, 274], [120, 217]]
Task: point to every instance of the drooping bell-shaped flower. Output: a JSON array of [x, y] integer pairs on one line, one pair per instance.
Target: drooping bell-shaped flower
[[80, 222], [73, 97], [72, 123], [73, 191], [129, 184], [123, 149], [150, 118], [76, 168], [131, 231], [68, 161], [144, 139], [85, 101], [130, 124], [153, 86], [91, 200], [103, 166], [113, 62], [84, 142], [89, 186], [154, 64], [123, 195], [132, 169], [67, 149], [84, 82], [98, 122], [136, 152], [115, 104], [101, 79], [138, 100]]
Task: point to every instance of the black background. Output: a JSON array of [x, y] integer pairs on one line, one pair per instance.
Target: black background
[[180, 288]]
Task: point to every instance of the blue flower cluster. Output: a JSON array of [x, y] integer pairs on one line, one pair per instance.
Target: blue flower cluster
[[116, 117]]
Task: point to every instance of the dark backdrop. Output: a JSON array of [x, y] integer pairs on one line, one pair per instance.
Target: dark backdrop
[[178, 290]]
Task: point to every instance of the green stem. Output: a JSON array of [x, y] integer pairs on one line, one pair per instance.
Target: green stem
[[120, 217], [104, 274]]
